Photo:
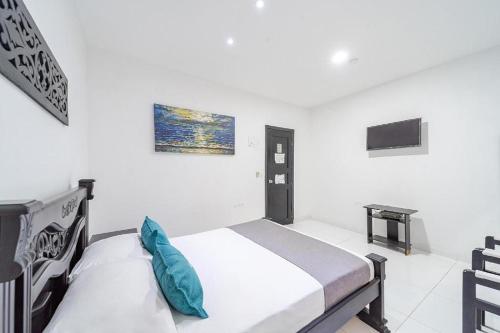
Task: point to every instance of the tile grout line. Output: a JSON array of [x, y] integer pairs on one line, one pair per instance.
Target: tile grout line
[[346, 240], [425, 297]]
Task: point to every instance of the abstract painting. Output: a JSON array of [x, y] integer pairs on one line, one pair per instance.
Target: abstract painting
[[187, 131]]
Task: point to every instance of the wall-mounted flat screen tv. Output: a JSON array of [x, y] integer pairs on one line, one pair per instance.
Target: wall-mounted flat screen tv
[[407, 133]]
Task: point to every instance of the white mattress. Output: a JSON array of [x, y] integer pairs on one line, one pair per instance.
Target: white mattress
[[246, 287]]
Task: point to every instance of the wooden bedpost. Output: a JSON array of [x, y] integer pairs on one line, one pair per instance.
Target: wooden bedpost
[[84, 236], [89, 185], [469, 311], [477, 260], [478, 264], [490, 242], [15, 262], [375, 315]]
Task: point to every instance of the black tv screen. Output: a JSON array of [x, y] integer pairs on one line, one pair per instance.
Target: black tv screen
[[395, 135]]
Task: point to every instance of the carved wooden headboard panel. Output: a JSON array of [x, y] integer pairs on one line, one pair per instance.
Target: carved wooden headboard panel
[[40, 242]]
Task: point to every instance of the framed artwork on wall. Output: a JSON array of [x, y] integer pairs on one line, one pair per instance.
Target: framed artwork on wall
[[27, 61], [187, 131]]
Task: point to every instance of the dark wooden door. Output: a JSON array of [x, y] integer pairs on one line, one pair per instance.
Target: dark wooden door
[[279, 174]]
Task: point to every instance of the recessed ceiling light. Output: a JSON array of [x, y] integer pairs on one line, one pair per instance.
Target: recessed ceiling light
[[260, 4], [340, 57], [230, 41]]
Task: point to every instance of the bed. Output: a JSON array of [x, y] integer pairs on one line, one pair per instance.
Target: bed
[[257, 277]]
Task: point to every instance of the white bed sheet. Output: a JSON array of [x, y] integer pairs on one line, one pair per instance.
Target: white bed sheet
[[246, 287]]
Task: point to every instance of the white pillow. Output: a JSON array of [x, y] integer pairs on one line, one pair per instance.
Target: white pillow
[[121, 297], [110, 250]]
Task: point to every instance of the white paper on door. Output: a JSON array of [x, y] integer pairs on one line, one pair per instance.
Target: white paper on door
[[279, 148], [279, 179], [279, 158]]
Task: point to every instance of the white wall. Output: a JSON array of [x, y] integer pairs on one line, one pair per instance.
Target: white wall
[[40, 156], [184, 192], [454, 182]]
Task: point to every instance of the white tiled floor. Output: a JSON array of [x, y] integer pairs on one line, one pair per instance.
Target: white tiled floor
[[423, 290]]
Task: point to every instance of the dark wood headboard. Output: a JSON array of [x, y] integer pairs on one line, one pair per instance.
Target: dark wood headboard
[[40, 242]]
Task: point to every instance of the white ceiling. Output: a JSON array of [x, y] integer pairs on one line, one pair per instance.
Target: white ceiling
[[283, 51]]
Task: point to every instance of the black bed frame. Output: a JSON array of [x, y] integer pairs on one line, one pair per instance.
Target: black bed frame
[[40, 242], [372, 294]]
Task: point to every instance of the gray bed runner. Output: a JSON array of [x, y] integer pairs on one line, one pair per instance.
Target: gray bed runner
[[338, 271]]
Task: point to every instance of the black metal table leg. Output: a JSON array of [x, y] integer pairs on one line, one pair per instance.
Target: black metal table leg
[[369, 226], [407, 235]]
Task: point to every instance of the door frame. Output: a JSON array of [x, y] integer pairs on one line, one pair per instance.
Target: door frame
[[291, 179]]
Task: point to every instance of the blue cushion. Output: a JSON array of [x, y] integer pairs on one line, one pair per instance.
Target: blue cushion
[[151, 234], [178, 281]]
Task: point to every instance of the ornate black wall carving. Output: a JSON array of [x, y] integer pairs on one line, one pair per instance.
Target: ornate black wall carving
[[26, 60]]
